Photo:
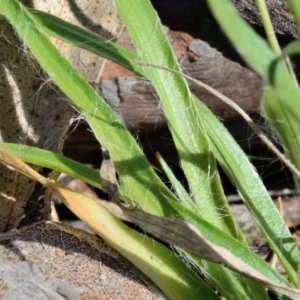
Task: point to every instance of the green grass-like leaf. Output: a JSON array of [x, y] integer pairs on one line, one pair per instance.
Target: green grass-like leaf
[[259, 56], [62, 164], [206, 138]]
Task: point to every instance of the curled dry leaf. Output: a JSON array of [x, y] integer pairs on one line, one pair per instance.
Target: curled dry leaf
[[33, 111]]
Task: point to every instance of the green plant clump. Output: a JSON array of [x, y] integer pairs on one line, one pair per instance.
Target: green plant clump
[[219, 250]]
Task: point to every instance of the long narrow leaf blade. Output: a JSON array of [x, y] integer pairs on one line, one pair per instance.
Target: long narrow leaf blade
[[131, 164], [62, 164], [84, 39], [155, 260], [258, 55], [186, 126]]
